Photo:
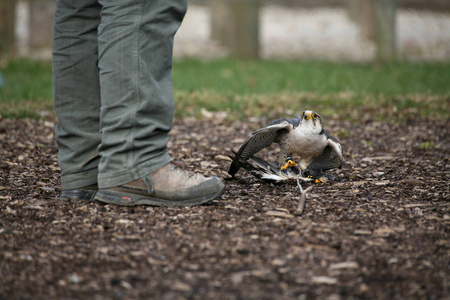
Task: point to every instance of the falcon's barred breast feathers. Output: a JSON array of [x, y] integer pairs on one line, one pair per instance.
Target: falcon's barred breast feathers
[[303, 136]]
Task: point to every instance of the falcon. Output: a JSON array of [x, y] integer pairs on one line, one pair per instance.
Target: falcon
[[304, 136]]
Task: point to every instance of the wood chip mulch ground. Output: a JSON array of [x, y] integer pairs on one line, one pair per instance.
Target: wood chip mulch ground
[[380, 230]]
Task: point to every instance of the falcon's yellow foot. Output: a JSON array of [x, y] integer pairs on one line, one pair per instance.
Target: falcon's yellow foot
[[318, 180], [289, 163]]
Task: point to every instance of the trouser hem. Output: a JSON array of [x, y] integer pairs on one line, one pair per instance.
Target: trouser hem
[[79, 180], [139, 171]]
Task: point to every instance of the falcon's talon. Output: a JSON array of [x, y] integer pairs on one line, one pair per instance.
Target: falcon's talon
[[306, 179], [316, 180], [289, 163]]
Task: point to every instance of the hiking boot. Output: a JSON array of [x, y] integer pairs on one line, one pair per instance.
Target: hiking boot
[[86, 193], [166, 187]]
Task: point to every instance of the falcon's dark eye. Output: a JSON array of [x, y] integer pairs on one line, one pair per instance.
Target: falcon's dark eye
[[315, 116]]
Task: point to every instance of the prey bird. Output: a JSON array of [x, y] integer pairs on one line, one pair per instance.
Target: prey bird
[[303, 136]]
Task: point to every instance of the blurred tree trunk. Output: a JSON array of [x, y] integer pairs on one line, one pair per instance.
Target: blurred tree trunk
[[385, 25], [35, 25], [235, 24], [7, 25], [377, 21]]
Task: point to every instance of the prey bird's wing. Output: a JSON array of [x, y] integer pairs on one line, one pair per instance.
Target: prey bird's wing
[[331, 157], [261, 139]]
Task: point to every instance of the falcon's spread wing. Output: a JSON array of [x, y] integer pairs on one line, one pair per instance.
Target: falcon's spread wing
[[261, 139], [330, 158]]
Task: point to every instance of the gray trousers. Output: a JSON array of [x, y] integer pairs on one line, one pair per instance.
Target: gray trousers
[[113, 96]]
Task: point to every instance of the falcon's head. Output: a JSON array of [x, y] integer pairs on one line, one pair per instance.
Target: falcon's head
[[311, 119]]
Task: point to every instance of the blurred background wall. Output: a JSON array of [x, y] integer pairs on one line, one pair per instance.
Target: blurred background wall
[[351, 30]]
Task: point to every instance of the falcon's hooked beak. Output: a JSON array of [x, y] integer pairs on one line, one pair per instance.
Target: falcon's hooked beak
[[310, 115]]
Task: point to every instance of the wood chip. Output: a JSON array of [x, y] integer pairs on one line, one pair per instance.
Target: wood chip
[[222, 157], [345, 265], [124, 221], [9, 210], [363, 232], [416, 205], [181, 287], [211, 164], [375, 158], [132, 237], [279, 214], [47, 189], [282, 209], [35, 206], [126, 285], [237, 141], [381, 182], [324, 280], [384, 232], [412, 181], [351, 183]]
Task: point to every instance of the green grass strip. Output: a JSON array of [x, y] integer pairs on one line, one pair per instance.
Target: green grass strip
[[266, 88]]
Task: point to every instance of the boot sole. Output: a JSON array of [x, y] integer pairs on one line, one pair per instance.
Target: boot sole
[[77, 195], [129, 199]]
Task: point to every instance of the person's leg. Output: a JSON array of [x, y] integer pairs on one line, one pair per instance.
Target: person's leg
[[77, 92], [135, 61]]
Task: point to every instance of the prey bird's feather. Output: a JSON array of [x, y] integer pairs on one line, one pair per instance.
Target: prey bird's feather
[[267, 171]]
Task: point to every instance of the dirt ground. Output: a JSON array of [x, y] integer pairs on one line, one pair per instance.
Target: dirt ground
[[380, 230]]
